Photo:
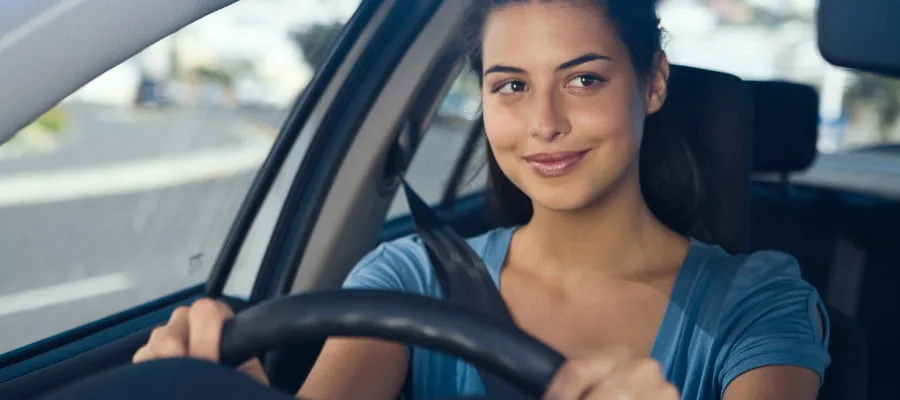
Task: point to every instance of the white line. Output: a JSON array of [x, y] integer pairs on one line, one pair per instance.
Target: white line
[[63, 293], [130, 176], [35, 24]]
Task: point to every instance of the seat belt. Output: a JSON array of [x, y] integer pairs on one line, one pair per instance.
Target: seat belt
[[464, 280]]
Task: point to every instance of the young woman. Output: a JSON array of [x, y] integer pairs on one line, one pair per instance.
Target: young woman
[[598, 262]]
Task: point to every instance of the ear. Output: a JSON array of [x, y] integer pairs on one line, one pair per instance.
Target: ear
[[658, 84]]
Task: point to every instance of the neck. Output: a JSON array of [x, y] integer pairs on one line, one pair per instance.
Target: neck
[[618, 236]]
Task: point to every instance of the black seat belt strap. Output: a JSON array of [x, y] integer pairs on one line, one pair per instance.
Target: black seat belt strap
[[463, 277], [461, 273]]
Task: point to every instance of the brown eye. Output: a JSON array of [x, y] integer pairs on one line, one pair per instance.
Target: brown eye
[[583, 81], [511, 87]]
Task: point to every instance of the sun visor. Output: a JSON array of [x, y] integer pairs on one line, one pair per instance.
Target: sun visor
[[860, 34]]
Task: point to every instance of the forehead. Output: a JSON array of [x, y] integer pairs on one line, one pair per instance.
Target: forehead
[[547, 33]]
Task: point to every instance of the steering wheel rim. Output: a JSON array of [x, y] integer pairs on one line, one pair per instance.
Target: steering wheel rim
[[498, 348]]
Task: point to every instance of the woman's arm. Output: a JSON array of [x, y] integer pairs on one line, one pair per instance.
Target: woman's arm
[[368, 368], [357, 369], [778, 335], [775, 383]]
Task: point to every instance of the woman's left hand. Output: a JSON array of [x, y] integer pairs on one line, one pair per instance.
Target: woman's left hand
[[615, 373]]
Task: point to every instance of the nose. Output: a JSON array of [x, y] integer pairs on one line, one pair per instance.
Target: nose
[[548, 119]]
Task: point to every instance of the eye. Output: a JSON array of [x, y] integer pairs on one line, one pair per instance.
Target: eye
[[511, 87], [584, 81]]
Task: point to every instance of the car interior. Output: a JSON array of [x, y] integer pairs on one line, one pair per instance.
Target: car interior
[[314, 217]]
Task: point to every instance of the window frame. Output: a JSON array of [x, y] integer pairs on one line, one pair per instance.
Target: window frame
[[30, 365]]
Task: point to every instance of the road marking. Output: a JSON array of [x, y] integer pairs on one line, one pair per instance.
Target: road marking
[[129, 177], [256, 132], [63, 293]]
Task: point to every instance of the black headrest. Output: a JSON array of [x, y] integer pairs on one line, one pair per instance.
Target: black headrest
[[713, 112], [786, 126]]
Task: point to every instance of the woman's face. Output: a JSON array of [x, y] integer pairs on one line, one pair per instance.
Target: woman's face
[[563, 107]]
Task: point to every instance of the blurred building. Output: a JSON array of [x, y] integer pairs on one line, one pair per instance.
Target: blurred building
[[248, 42]]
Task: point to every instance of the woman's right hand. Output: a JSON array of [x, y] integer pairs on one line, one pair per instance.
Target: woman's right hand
[[194, 332]]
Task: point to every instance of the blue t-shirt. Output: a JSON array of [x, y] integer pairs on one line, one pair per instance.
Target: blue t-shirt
[[727, 315]]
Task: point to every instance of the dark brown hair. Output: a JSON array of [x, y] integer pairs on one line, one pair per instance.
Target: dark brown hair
[[670, 183]]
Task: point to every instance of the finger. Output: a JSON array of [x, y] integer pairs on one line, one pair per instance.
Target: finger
[[170, 340], [570, 382], [224, 309], [658, 392], [206, 319], [577, 377], [178, 325], [142, 354], [635, 379]]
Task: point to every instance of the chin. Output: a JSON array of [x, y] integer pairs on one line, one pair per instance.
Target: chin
[[561, 198]]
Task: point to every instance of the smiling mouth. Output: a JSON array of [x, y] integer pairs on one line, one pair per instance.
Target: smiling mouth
[[554, 165]]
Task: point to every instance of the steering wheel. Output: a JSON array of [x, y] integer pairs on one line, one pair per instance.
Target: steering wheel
[[498, 348]]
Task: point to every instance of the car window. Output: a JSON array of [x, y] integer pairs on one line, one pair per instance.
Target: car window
[[125, 191], [776, 40], [432, 166]]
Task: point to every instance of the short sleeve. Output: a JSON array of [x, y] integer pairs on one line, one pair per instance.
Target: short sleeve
[[773, 318], [401, 265]]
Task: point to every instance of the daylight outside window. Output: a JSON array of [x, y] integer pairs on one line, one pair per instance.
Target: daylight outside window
[[124, 192], [776, 39]]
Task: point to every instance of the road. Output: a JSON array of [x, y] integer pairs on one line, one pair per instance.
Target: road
[[100, 224], [119, 212]]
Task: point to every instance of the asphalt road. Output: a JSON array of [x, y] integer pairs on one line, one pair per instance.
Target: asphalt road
[[91, 237], [72, 259]]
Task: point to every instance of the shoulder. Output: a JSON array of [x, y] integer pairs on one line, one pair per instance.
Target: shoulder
[[769, 315], [403, 265], [759, 279], [749, 282]]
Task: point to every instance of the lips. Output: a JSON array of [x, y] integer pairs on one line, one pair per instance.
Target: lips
[[554, 165]]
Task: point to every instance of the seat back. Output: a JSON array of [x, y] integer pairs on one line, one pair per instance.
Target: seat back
[[847, 377], [789, 218], [712, 113], [801, 221]]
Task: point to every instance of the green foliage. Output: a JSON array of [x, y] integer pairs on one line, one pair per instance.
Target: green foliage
[[53, 121], [315, 41], [214, 75], [880, 93]]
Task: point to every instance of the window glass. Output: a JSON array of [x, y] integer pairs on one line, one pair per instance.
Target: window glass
[[775, 39], [432, 166], [125, 191]]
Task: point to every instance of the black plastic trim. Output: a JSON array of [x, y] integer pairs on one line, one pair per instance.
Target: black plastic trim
[[76, 341], [403, 225]]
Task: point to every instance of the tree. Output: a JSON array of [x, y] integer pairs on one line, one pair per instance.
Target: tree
[[315, 41], [879, 94]]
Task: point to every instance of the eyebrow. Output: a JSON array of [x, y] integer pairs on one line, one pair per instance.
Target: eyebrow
[[583, 59]]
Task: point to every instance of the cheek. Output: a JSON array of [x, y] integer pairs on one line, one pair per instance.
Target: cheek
[[603, 120], [503, 128]]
